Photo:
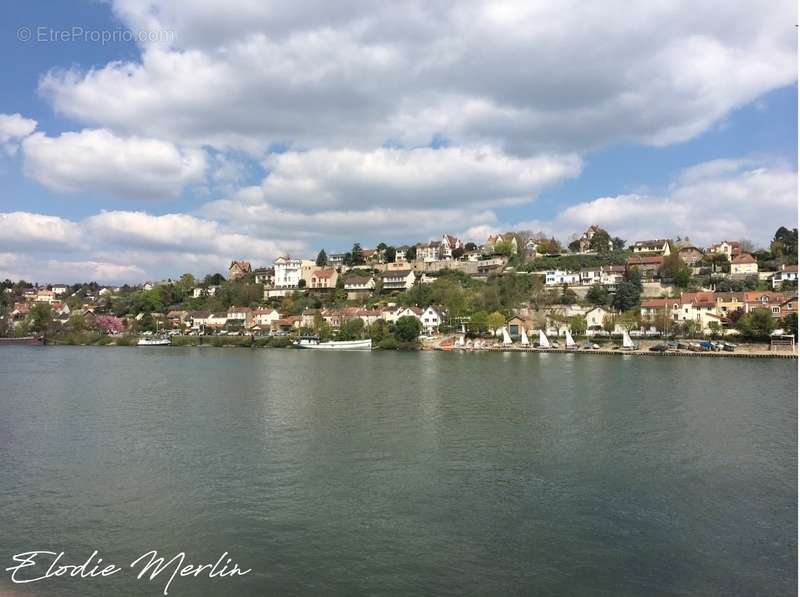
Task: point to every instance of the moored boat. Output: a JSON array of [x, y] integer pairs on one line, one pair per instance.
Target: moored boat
[[29, 340], [314, 343], [154, 342]]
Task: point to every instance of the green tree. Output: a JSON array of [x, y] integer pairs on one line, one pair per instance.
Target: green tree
[[789, 324], [357, 255], [577, 325], [598, 295], [389, 254], [41, 318], [351, 329], [758, 324], [601, 242], [503, 247], [322, 258], [407, 328], [495, 320]]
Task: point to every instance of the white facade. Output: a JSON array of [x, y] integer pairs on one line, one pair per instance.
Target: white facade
[[431, 319], [287, 272], [559, 277]]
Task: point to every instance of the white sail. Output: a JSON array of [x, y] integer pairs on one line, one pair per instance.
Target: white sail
[[524, 337], [569, 341], [506, 337], [460, 341], [626, 340], [543, 341]]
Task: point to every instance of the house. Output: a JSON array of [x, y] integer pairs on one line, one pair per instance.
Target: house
[[489, 246], [323, 278], [559, 277], [769, 300], [400, 253], [239, 317], [199, 320], [45, 296], [263, 318], [690, 255], [336, 259], [654, 247], [176, 318], [607, 275], [265, 275], [59, 289], [392, 315], [358, 287], [595, 318], [448, 244], [432, 317], [789, 306], [729, 248], [517, 323], [201, 291], [397, 280], [744, 264], [287, 272], [787, 273], [216, 321], [239, 269], [431, 251], [647, 265], [494, 264], [650, 309], [285, 324]]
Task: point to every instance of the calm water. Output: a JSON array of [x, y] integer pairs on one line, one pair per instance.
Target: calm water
[[402, 474]]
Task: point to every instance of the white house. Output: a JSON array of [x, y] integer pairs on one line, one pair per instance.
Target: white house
[[660, 246], [264, 317], [398, 280], [431, 251], [595, 317], [287, 272], [432, 318], [788, 273], [559, 277], [744, 264], [392, 315], [607, 275]]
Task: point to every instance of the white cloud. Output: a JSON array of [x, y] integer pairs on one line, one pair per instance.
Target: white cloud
[[99, 161], [712, 201], [36, 232], [521, 74], [324, 179], [13, 128]]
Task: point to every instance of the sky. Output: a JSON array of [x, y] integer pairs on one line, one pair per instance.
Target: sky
[[141, 139]]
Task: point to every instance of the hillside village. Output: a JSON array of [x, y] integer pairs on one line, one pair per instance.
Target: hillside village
[[597, 285]]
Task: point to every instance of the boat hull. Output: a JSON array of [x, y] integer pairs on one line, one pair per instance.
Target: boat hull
[[145, 342], [333, 345]]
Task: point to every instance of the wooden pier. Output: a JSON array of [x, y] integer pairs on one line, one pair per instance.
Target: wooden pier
[[639, 353]]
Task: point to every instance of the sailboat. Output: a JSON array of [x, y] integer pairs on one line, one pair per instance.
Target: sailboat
[[460, 342], [524, 337], [627, 343], [543, 341], [506, 337], [570, 343]]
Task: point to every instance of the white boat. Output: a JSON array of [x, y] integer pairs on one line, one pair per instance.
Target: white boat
[[570, 343], [459, 343], [543, 341], [315, 344], [523, 337], [627, 343], [154, 342], [506, 337]]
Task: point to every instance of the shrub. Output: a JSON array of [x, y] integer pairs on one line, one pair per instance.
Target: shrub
[[280, 342], [388, 343]]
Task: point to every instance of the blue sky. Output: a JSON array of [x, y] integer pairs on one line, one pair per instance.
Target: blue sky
[[250, 131]]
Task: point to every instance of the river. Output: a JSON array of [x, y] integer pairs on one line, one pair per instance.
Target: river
[[401, 473]]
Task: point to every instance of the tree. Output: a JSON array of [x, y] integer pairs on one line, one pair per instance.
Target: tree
[[784, 243], [756, 324], [213, 280], [601, 242], [789, 324], [619, 244], [322, 258], [301, 283], [407, 328], [747, 246], [390, 254], [673, 268], [351, 329], [41, 318], [568, 296], [575, 245], [411, 253], [627, 295], [494, 321], [597, 295], [577, 325], [503, 247], [609, 323], [357, 255], [108, 324], [471, 246], [458, 253]]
